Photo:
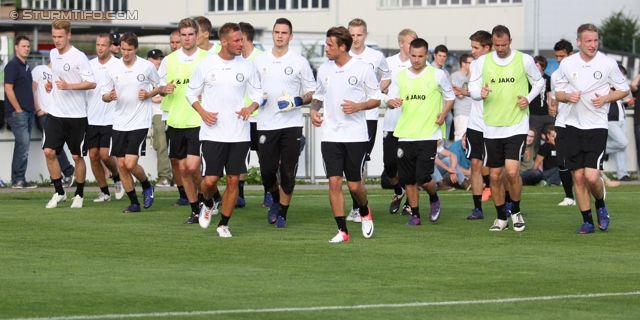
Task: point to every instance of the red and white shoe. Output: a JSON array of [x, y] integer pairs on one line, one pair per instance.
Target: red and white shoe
[[340, 237]]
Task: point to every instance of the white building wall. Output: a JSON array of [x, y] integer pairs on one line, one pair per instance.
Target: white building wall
[[560, 19], [449, 25]]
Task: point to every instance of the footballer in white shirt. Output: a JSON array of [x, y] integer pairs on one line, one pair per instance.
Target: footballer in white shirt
[[67, 119], [375, 59], [285, 74], [100, 117], [345, 87], [222, 80], [127, 82], [481, 42], [585, 83]]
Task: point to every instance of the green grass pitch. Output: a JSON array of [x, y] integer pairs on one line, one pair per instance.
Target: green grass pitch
[[97, 261]]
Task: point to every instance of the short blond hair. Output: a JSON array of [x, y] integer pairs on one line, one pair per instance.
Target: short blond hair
[[402, 36], [358, 23], [188, 23], [61, 25], [586, 27]]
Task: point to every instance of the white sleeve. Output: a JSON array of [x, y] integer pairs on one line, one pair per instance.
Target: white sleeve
[[393, 92], [305, 76], [475, 78], [371, 85], [162, 72], [533, 75], [383, 70], [562, 80], [318, 94], [85, 70], [196, 84], [108, 83], [154, 79], [445, 85], [253, 88], [554, 77], [617, 80]]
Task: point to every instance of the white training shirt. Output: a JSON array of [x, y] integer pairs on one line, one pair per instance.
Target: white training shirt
[[223, 84], [563, 109], [354, 81], [391, 116], [378, 64], [40, 75], [130, 112], [476, 116], [594, 77], [535, 80], [99, 113], [73, 67], [444, 85], [291, 73]]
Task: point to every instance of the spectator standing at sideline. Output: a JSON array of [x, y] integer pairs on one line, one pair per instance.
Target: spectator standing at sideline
[[19, 110], [617, 140]]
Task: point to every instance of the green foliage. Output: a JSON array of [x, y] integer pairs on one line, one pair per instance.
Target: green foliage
[[618, 31], [253, 176]]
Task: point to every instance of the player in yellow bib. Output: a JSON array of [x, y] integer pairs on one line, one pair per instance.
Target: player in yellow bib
[[421, 89], [183, 122], [501, 79]]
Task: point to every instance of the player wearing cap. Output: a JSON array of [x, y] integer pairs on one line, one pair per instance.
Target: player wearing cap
[[345, 87], [128, 81], [183, 121], [223, 80], [114, 48], [375, 59], [67, 119], [100, 118], [282, 73]]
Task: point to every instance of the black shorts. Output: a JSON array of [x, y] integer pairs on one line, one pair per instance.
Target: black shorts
[[475, 144], [183, 142], [372, 128], [416, 160], [390, 153], [279, 149], [344, 158], [561, 146], [58, 131], [585, 148], [220, 157], [255, 137], [128, 142], [98, 136], [499, 150]]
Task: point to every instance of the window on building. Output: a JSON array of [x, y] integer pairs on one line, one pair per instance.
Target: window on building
[[260, 5], [226, 5]]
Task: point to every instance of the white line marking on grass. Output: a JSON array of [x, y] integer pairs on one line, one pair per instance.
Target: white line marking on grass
[[328, 308]]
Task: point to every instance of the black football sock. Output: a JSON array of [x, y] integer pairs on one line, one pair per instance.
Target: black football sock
[[183, 194], [477, 202], [80, 189], [283, 211], [57, 183], [133, 197], [501, 214], [342, 224], [587, 217]]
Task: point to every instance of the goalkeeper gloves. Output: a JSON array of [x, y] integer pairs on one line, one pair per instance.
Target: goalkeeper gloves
[[288, 103]]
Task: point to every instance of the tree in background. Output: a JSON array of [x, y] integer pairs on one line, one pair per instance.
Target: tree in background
[[618, 31]]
